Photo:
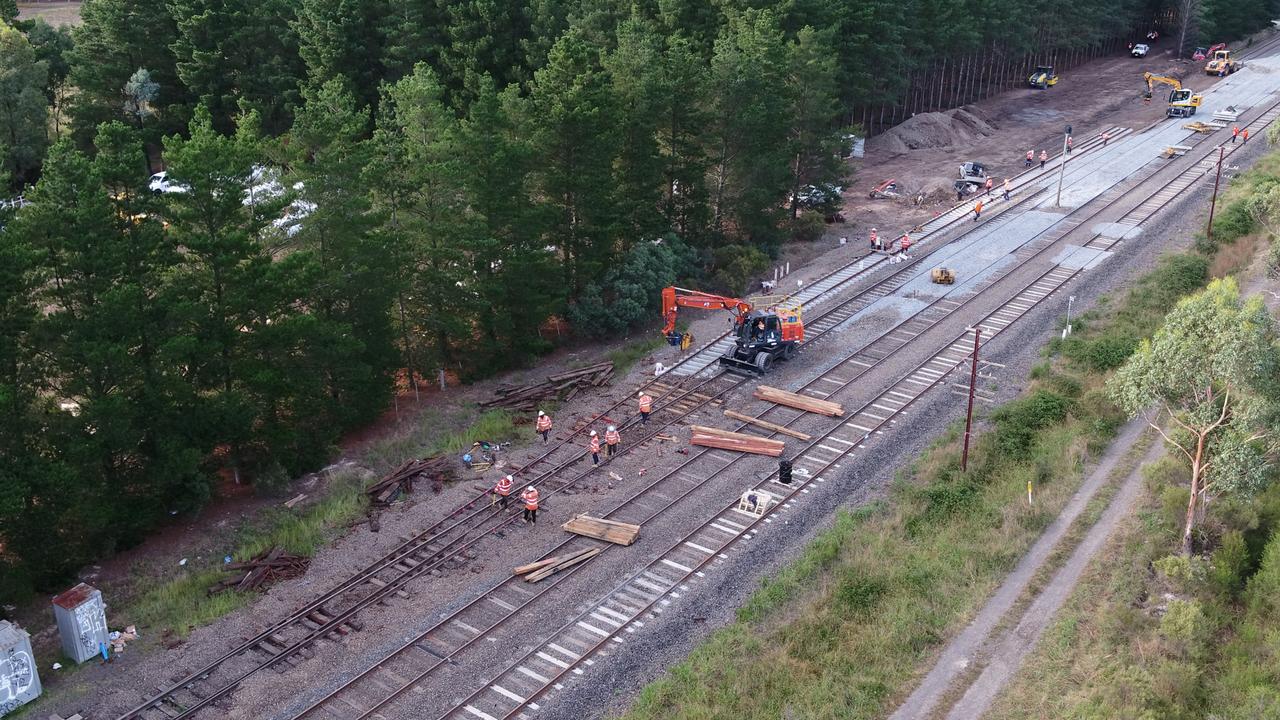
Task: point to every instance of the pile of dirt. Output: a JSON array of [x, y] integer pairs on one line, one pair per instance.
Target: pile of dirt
[[935, 130]]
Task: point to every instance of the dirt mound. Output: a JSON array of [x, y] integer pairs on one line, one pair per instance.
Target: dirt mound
[[936, 130]]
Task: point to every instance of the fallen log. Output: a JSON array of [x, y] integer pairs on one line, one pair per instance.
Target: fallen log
[[767, 425], [618, 533], [799, 402]]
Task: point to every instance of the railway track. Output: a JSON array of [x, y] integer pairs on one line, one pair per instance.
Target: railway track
[[335, 613], [642, 596]]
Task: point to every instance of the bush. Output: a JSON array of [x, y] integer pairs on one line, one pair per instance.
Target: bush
[[807, 227], [735, 266], [1101, 354], [1233, 223], [630, 293], [1016, 422]]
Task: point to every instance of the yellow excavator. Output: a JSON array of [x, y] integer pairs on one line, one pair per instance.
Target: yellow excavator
[[1183, 103]]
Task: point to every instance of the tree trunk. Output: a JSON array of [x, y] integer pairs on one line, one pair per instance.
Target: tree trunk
[[1193, 502]]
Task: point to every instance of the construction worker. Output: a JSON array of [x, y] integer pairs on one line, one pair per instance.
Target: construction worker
[[1044, 158], [875, 240], [1235, 133], [1006, 188], [990, 183], [611, 440], [1071, 143], [905, 243], [1244, 136], [977, 211], [1031, 158], [595, 448], [646, 407], [503, 489], [544, 425], [530, 497], [1106, 138]]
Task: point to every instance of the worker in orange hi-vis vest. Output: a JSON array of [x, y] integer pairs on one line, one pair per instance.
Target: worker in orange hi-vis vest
[[611, 440], [595, 448], [646, 407], [503, 489], [544, 425], [530, 497], [905, 242]]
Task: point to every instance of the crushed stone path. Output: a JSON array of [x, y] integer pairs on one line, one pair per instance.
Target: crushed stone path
[[1003, 655]]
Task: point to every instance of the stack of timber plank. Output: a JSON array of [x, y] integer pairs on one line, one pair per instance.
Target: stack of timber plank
[[388, 489], [267, 568], [767, 425], [543, 569], [562, 386], [618, 533], [725, 440], [799, 402]]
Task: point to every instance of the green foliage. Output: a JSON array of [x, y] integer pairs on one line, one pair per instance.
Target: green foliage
[[631, 291], [23, 113], [1017, 422], [1233, 222], [734, 266], [628, 355]]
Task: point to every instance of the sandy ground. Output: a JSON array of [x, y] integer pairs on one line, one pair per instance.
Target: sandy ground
[[54, 13]]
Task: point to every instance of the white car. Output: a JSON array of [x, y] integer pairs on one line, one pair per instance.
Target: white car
[[1140, 50], [161, 184]]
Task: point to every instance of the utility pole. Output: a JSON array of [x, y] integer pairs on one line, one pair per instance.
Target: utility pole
[[973, 383], [1062, 167], [1222, 149]]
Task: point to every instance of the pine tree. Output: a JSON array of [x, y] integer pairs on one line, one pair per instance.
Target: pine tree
[[635, 69], [114, 39], [350, 266], [573, 119], [23, 114], [53, 47], [342, 38], [814, 140]]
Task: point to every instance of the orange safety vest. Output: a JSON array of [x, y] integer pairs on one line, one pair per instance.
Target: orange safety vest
[[906, 241], [595, 443], [612, 437], [530, 498], [989, 182], [874, 238], [978, 207], [544, 423], [1235, 130], [504, 486], [646, 404], [1044, 155], [1031, 154]]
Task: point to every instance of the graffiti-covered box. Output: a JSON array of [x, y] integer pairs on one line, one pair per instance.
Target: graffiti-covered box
[[82, 621], [19, 683]]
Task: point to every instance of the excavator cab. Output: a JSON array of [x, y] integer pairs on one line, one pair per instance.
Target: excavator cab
[[760, 336]]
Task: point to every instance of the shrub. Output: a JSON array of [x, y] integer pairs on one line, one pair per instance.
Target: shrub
[[1016, 422], [735, 265], [1234, 222], [630, 293]]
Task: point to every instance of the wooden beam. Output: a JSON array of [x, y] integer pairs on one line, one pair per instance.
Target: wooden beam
[[799, 402], [767, 425]]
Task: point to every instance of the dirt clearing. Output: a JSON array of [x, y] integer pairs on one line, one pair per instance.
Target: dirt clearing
[[54, 13]]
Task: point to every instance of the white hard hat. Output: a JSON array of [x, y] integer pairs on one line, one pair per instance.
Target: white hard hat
[[540, 413], [611, 427], [873, 229], [593, 432], [640, 394], [510, 477]]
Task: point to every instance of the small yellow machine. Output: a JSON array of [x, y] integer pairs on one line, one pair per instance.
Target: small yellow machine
[[943, 276]]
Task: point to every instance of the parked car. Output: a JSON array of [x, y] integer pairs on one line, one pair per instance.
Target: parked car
[[1140, 50]]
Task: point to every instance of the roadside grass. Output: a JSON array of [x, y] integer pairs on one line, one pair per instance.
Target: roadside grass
[[182, 604], [426, 438], [628, 355], [844, 631]]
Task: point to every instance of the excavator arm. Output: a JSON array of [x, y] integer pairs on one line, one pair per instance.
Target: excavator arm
[[674, 297], [1153, 80]]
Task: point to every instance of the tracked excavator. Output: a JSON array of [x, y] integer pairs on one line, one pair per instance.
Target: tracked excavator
[[1183, 102], [761, 337]]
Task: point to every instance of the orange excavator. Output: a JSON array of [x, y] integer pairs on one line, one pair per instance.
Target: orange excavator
[[761, 337]]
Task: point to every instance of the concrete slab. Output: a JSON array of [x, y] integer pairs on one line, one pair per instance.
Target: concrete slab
[[1076, 257], [1116, 231]]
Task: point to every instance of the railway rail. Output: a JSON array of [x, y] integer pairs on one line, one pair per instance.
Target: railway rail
[[624, 609], [289, 640], [336, 612]]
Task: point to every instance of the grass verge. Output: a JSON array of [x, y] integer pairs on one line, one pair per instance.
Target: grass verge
[[627, 355]]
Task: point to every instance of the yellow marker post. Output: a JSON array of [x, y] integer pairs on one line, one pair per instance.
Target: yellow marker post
[[1029, 502]]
